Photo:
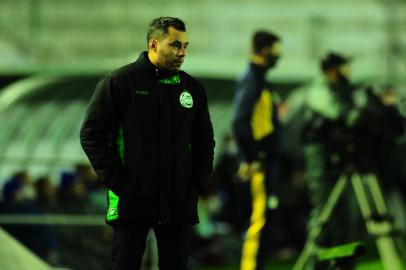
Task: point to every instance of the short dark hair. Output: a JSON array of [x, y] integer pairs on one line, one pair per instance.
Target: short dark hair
[[159, 26], [262, 39], [333, 60]]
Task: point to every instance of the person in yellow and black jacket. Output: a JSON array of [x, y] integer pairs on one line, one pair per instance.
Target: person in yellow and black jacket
[[257, 132], [149, 137]]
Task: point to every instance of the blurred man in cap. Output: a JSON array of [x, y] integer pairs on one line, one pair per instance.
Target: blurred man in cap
[[329, 104]]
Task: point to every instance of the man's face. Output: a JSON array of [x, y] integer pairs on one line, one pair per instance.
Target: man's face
[[338, 75], [343, 73], [171, 49], [344, 70], [273, 53]]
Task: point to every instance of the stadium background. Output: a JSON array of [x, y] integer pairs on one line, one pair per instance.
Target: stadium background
[[53, 52]]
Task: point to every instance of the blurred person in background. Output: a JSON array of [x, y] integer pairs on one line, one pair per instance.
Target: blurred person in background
[[84, 242], [47, 203], [72, 194], [19, 198], [384, 106], [149, 137], [226, 185], [328, 103], [257, 132], [385, 124], [95, 190], [46, 195], [347, 129], [216, 238]]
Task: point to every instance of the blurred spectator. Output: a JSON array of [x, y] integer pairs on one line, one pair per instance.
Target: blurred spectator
[[82, 242], [384, 109], [47, 204], [72, 194], [208, 239], [289, 232], [86, 175], [46, 195], [19, 198], [95, 189], [224, 176], [19, 188]]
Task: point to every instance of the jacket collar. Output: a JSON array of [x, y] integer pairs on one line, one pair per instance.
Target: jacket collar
[[144, 61], [258, 69], [163, 76]]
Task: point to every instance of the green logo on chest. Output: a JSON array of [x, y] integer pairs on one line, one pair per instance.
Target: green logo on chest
[[186, 99]]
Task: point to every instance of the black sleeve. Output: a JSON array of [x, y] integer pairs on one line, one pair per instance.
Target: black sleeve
[[246, 96], [202, 144], [99, 132]]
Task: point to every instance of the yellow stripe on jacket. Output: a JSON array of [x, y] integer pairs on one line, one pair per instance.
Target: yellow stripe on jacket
[[261, 121]]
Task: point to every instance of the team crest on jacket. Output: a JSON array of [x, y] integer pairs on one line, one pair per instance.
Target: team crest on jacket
[[186, 99]]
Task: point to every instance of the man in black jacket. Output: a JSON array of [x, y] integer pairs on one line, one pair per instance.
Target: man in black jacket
[[149, 137], [257, 131]]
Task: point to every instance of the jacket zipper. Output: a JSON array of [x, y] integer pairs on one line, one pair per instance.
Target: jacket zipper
[[162, 184]]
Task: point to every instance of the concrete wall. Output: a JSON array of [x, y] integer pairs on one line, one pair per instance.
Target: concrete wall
[[107, 34]]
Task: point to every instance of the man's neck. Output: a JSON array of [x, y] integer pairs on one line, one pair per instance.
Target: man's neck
[[153, 58]]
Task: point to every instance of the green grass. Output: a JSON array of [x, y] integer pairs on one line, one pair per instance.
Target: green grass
[[370, 264]]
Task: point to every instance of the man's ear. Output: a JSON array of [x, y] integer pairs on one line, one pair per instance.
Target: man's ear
[[153, 45]]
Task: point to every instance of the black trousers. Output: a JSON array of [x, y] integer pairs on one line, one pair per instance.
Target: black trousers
[[129, 242]]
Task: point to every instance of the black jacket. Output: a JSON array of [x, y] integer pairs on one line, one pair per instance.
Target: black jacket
[[149, 137], [249, 90]]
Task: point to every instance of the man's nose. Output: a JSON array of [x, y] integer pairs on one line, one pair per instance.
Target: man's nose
[[182, 52]]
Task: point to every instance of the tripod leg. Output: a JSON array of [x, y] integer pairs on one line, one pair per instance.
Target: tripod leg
[[398, 205], [379, 229], [377, 194], [324, 216]]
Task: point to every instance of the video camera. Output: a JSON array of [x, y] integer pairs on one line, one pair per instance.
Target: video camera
[[359, 145]]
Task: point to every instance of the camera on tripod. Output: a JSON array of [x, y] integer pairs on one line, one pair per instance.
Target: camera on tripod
[[361, 136], [353, 148]]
